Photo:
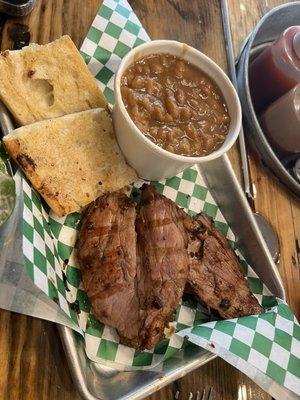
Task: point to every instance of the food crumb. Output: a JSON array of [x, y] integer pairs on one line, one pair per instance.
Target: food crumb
[[170, 330], [65, 282], [75, 306], [30, 73]]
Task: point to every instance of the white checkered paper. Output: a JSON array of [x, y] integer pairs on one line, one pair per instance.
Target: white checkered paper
[[267, 344]]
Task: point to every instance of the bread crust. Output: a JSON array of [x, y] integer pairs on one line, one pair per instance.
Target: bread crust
[[47, 81], [71, 160]]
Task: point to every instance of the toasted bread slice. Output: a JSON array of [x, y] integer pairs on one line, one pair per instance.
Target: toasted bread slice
[[41, 82], [71, 160]]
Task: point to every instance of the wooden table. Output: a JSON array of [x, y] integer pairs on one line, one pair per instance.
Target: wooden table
[[32, 361]]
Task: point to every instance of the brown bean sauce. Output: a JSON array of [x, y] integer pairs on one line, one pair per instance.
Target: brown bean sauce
[[175, 105]]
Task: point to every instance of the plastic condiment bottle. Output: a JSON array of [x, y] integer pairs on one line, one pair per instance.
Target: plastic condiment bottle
[[281, 123], [276, 69]]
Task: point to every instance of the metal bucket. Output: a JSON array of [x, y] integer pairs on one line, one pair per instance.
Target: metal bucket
[[18, 8], [265, 32]]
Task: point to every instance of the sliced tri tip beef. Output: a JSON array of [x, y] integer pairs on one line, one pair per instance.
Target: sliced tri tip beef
[[162, 248], [107, 258], [134, 264], [215, 273], [136, 261]]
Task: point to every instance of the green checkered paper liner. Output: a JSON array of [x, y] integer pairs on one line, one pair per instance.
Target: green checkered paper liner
[[268, 344]]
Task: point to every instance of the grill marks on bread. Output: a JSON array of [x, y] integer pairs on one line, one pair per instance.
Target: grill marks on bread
[[65, 158]]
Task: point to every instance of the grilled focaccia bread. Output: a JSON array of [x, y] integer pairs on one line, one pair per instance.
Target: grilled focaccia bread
[[71, 160], [48, 81]]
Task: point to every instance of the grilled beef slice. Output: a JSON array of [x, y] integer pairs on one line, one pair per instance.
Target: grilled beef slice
[[134, 289], [163, 258], [107, 258], [135, 263], [215, 272]]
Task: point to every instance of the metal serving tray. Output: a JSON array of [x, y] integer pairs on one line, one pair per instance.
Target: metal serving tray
[[265, 32], [17, 8], [96, 381]]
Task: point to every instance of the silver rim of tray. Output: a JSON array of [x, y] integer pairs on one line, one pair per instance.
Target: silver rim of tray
[[265, 31]]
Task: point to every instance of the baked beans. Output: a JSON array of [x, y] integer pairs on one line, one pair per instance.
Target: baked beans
[[175, 105]]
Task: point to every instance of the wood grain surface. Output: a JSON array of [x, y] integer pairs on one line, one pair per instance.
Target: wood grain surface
[[32, 364]]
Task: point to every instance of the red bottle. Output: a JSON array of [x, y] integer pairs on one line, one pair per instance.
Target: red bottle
[[276, 69]]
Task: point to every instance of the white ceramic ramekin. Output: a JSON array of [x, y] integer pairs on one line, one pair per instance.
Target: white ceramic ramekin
[[149, 160]]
